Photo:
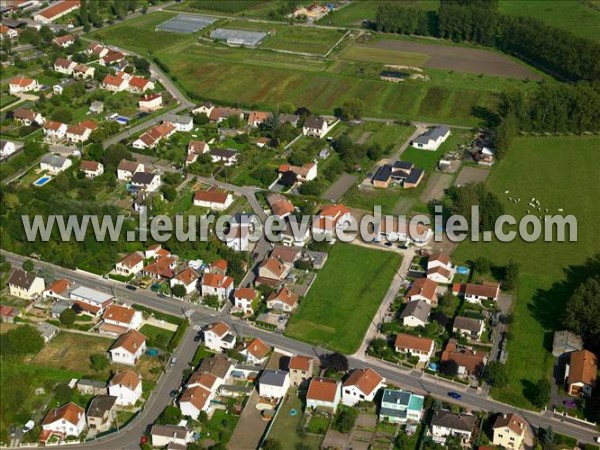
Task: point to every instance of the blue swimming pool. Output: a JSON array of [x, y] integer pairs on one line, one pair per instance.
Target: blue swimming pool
[[123, 120], [462, 270], [41, 181]]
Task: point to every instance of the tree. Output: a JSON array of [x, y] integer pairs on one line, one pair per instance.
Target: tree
[[345, 420], [483, 265], [67, 317], [98, 361], [449, 367], [272, 444], [178, 290], [582, 314], [171, 415], [24, 340], [511, 275], [169, 192], [201, 119], [378, 346], [541, 391], [28, 265], [546, 435], [63, 115], [113, 156], [63, 393], [203, 417], [337, 361], [352, 109], [495, 374]]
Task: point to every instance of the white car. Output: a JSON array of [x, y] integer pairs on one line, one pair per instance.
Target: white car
[[598, 439]]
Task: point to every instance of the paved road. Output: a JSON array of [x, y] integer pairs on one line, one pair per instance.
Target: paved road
[[412, 380]]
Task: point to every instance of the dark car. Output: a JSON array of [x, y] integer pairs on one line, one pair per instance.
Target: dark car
[[454, 395], [197, 338], [130, 287], [174, 393]]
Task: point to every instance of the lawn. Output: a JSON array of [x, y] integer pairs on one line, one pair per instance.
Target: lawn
[[6, 99], [577, 17], [157, 337], [357, 11], [383, 56], [285, 429], [348, 290], [302, 39], [422, 158], [549, 271], [139, 34], [218, 6]]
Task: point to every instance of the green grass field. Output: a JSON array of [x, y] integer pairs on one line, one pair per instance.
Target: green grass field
[[542, 291], [225, 7], [347, 293], [423, 159], [359, 10], [383, 56], [574, 16]]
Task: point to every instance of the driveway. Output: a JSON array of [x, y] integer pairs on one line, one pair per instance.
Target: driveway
[[339, 188]]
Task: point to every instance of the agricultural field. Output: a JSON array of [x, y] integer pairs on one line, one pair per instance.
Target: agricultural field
[[223, 7], [578, 17], [354, 13], [373, 54], [363, 276], [140, 36], [549, 271]]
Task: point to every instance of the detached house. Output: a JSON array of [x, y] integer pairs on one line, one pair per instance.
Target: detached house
[[432, 138], [59, 290], [146, 181], [28, 117], [80, 133], [280, 205], [171, 436], [218, 115], [323, 393], [273, 384], [91, 301], [115, 83], [131, 264], [150, 102], [509, 431], [415, 313], [415, 346], [222, 155], [423, 289], [126, 169], [401, 173], [283, 300], [476, 293], [83, 72], [183, 124], [54, 131], [217, 284], [21, 84], [163, 267], [330, 218], [188, 278], [213, 198], [218, 337], [271, 272], [204, 108], [111, 57], [256, 352], [468, 327], [581, 373], [128, 348], [56, 10], [256, 118], [195, 400], [361, 386], [25, 285], [315, 126], [7, 148], [64, 41], [139, 85], [399, 406], [67, 420], [126, 385], [440, 269], [119, 319], [243, 299], [66, 66], [97, 50], [196, 148], [101, 412], [91, 169], [301, 369], [470, 362], [446, 423], [306, 172], [153, 136]]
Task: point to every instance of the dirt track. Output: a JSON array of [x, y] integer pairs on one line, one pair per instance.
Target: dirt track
[[462, 59]]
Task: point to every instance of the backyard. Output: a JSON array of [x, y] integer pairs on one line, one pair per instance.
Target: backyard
[[363, 276], [549, 271]]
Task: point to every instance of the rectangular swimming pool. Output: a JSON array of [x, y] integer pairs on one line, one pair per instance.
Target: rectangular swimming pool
[[42, 181]]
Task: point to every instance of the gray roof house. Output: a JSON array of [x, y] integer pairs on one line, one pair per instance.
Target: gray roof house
[[468, 327], [101, 412], [273, 383], [91, 387], [415, 313], [59, 307], [565, 342], [446, 423], [432, 138], [47, 330]]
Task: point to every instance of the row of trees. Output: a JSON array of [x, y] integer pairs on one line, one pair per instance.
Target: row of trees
[[479, 21]]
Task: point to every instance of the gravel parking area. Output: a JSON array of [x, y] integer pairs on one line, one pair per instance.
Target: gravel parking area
[[339, 188], [437, 184], [471, 175]]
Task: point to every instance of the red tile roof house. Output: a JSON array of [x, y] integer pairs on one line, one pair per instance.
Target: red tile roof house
[[56, 11], [111, 57], [196, 148], [219, 266], [194, 400], [301, 369], [139, 85], [423, 289], [59, 290], [475, 293], [287, 255], [581, 373], [188, 278], [217, 284], [8, 313], [64, 41], [280, 205], [213, 198], [21, 84], [218, 337], [361, 386], [150, 102], [28, 117], [255, 118], [440, 269], [243, 299], [130, 264], [115, 83], [119, 319], [330, 218], [66, 66], [8, 33], [415, 346], [153, 136], [55, 131], [81, 132], [67, 420], [92, 169], [271, 272], [126, 169], [218, 115], [83, 72], [307, 172], [128, 348], [126, 385], [97, 50], [470, 362], [283, 300], [256, 352], [323, 393], [162, 268]]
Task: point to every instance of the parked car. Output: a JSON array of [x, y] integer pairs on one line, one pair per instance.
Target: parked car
[[130, 287], [454, 395], [173, 361]]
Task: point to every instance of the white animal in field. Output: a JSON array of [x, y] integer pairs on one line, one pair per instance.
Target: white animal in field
[[506, 192], [560, 210]]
